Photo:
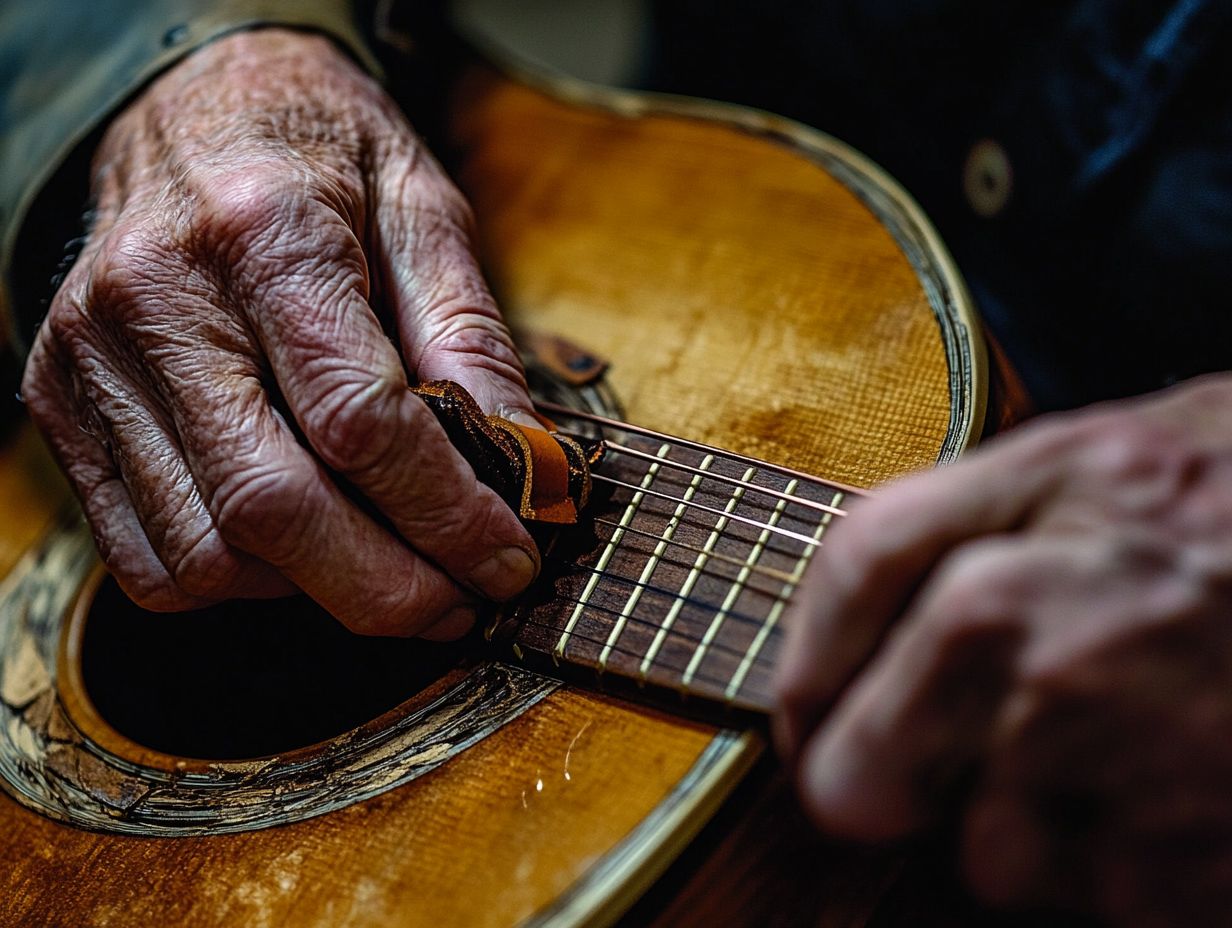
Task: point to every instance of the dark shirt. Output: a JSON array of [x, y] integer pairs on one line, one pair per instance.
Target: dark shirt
[[1098, 237]]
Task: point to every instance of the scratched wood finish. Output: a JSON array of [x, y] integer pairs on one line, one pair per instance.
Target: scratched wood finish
[[745, 299], [487, 840]]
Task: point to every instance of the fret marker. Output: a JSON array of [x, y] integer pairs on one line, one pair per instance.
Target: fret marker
[[618, 533]]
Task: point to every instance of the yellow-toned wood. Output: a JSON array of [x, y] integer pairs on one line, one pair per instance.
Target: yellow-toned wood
[[746, 299], [487, 840], [30, 491]]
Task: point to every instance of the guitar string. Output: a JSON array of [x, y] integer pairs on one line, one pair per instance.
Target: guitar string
[[681, 636], [675, 635], [735, 481], [719, 683], [777, 597], [773, 572], [600, 420], [648, 512], [652, 588], [727, 579], [782, 532], [665, 462]]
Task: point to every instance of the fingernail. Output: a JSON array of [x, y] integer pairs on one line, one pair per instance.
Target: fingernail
[[520, 417], [506, 573]]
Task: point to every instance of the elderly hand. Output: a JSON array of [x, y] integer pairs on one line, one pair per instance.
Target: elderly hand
[[213, 375], [1039, 641]]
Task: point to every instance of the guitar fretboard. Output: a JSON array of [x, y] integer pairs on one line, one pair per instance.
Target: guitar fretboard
[[679, 576]]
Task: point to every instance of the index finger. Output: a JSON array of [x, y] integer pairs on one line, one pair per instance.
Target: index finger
[[872, 565], [346, 387]]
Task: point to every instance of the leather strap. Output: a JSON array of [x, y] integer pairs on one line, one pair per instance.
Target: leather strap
[[544, 476]]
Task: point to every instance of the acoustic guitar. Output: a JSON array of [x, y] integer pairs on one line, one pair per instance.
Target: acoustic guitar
[[768, 306]]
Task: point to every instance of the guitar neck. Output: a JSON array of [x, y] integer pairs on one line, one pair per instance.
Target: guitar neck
[[677, 581]]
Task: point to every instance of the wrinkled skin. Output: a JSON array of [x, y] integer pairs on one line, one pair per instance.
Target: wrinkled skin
[[1037, 640], [212, 370]]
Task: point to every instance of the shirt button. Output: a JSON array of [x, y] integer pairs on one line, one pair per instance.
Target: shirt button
[[175, 36], [988, 178]]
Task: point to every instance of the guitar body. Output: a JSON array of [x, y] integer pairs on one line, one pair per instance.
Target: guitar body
[[755, 286]]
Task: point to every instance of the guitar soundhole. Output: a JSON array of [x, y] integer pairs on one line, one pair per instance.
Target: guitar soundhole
[[244, 680]]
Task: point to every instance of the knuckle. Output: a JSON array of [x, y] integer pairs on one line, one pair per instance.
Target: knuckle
[[38, 387], [457, 210], [354, 423], [239, 205], [206, 568], [857, 553], [441, 236], [1208, 390], [435, 204], [399, 611], [1052, 435], [980, 590], [132, 263], [1133, 449], [455, 531], [280, 225], [154, 591], [67, 321], [793, 690], [480, 340], [262, 508], [465, 331]]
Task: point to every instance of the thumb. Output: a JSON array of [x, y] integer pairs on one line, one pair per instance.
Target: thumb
[[447, 319]]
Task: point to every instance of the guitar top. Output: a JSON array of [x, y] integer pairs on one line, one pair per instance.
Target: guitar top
[[760, 291]]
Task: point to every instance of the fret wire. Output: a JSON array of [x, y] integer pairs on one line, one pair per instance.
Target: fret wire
[[686, 588], [672, 669], [559, 651], [674, 633], [774, 572], [771, 623], [584, 416], [733, 594], [786, 533], [651, 563], [768, 491], [605, 574]]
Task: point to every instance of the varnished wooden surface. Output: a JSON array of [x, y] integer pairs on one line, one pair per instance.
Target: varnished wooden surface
[[30, 490], [488, 840], [745, 299]]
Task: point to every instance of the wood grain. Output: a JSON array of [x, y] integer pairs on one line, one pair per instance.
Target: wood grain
[[745, 298], [487, 840]]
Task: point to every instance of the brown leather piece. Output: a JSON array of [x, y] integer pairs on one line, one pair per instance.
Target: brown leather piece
[[543, 476]]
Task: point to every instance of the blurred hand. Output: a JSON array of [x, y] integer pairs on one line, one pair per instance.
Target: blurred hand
[[251, 205], [1039, 641]]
